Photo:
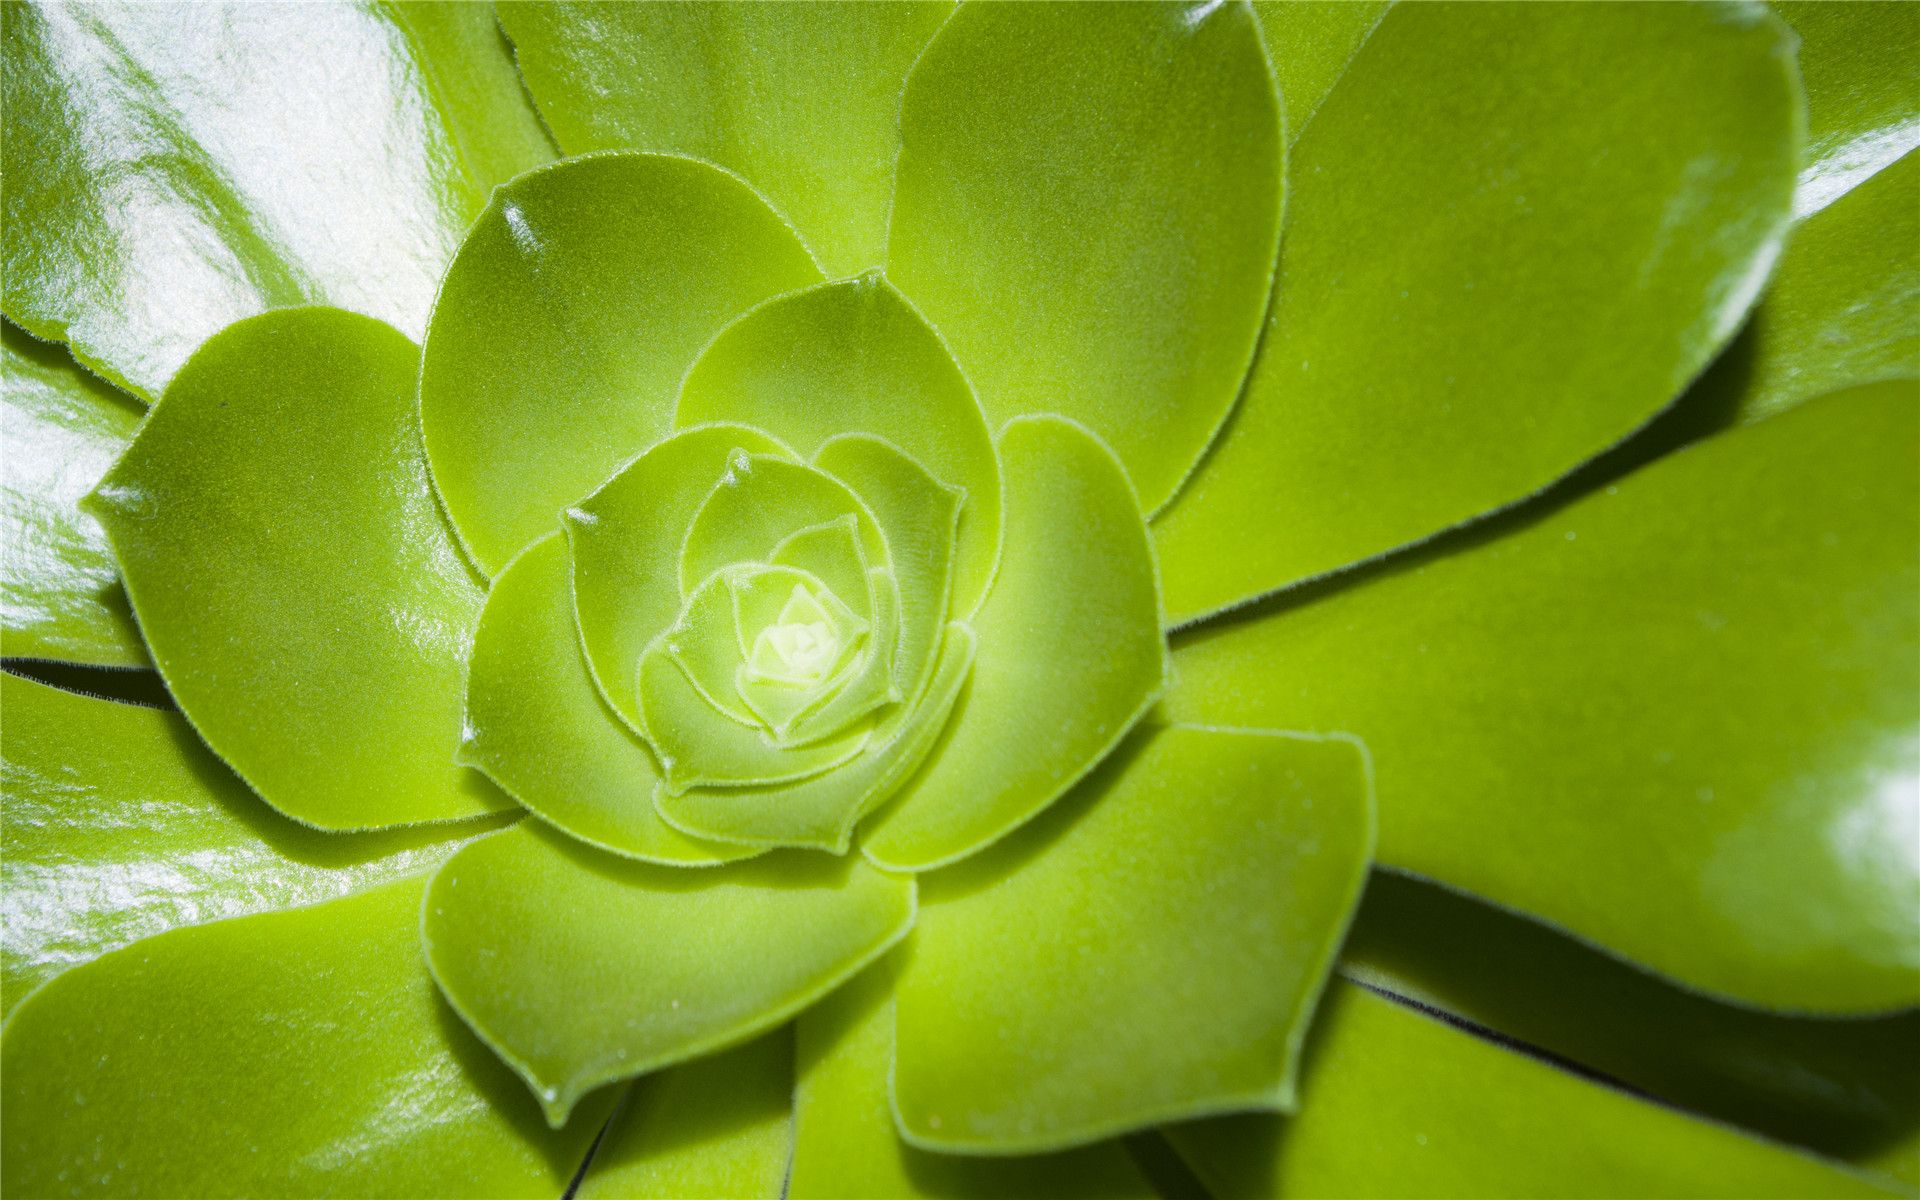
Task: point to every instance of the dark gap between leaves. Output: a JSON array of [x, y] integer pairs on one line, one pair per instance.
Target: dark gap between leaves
[[573, 1185], [124, 685], [1167, 1173]]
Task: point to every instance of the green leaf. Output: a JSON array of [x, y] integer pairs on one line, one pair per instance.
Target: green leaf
[[1395, 1103], [565, 322], [1861, 64], [579, 968], [297, 585], [120, 824], [1639, 714], [626, 540], [801, 100], [1845, 305], [170, 171], [295, 1053], [845, 1145], [1149, 950], [1070, 655], [717, 1126], [821, 812], [538, 728], [1087, 207], [60, 594], [1309, 43], [759, 501], [853, 357], [1420, 365], [1849, 1088]]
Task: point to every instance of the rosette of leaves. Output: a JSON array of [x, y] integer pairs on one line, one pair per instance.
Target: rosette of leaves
[[864, 630]]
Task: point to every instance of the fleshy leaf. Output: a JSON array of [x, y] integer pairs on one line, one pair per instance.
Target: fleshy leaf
[[1639, 714], [1149, 950], [1845, 306], [1846, 1088], [626, 539], [1861, 65], [821, 812], [1395, 1103], [296, 583], [580, 968], [918, 515], [802, 100], [853, 357], [173, 170], [698, 745], [1309, 47], [717, 1126], [1069, 656], [830, 552], [845, 1145], [106, 802], [757, 503], [294, 1053], [1087, 207], [565, 322], [704, 644], [871, 686], [538, 728], [60, 594], [1420, 367]]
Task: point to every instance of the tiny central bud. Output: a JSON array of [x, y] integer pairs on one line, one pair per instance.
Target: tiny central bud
[[806, 650]]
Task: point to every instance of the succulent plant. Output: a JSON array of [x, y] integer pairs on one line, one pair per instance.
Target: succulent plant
[[1011, 600]]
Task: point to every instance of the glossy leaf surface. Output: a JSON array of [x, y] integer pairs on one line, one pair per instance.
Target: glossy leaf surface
[[800, 100], [122, 824], [174, 169], [1309, 44], [294, 578], [1086, 208], [845, 1144], [1845, 306], [60, 593], [1645, 771], [1149, 950], [1395, 1103], [538, 728], [292, 1053], [1861, 64], [1069, 656], [580, 968], [853, 357], [1420, 365], [1849, 1089], [719, 1126], [565, 322]]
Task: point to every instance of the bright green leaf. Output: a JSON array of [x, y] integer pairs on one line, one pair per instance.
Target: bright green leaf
[[1846, 1088], [1514, 234], [1861, 64], [853, 357], [565, 322], [296, 1053], [800, 99], [1149, 950], [1677, 717], [297, 585], [845, 1145], [60, 594], [1069, 657], [172, 170], [106, 802], [1845, 306], [719, 1126], [580, 968], [1394, 1103], [757, 503], [1087, 208], [821, 812], [626, 539], [538, 728], [1310, 43]]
